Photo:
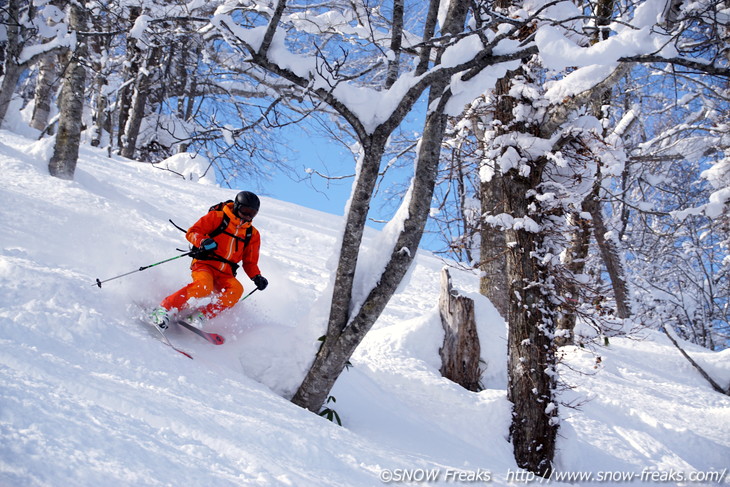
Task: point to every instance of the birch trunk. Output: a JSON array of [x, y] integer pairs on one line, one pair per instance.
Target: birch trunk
[[44, 91], [7, 89], [11, 69], [130, 75], [71, 104], [138, 106]]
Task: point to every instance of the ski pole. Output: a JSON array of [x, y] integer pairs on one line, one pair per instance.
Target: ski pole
[[99, 283], [249, 294]]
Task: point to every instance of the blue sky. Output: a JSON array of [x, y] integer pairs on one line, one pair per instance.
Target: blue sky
[[330, 196], [325, 195]]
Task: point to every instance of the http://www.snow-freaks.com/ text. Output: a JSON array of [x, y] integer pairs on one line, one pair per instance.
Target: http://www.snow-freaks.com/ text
[[455, 476]]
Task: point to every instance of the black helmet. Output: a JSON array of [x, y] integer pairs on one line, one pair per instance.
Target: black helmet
[[246, 205]]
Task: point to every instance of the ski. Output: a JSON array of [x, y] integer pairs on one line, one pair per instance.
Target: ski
[[213, 338], [167, 342]]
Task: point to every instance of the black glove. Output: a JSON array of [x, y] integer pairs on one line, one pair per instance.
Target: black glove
[[208, 244], [260, 282]]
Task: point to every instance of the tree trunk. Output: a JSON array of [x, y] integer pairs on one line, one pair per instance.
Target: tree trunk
[[100, 105], [493, 262], [45, 86], [100, 117], [575, 259], [611, 259], [43, 91], [345, 331], [338, 346], [71, 104], [531, 356], [461, 351], [139, 104], [344, 337], [395, 43], [7, 90], [608, 247], [493, 247], [11, 69], [131, 73]]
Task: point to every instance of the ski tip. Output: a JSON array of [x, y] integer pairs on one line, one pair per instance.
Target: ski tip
[[184, 353], [217, 339]]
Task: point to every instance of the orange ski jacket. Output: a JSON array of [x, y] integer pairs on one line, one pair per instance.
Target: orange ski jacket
[[229, 247]]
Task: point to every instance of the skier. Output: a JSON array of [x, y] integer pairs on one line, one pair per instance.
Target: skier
[[221, 238]]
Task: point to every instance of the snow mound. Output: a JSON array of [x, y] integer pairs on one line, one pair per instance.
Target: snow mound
[[191, 166]]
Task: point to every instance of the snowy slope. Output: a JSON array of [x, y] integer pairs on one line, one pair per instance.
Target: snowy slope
[[89, 396]]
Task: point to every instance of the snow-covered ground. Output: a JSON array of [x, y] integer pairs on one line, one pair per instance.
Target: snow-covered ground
[[90, 396]]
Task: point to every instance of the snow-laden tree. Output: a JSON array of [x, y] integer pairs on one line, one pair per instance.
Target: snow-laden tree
[[551, 154], [28, 33], [665, 209], [341, 55], [159, 82]]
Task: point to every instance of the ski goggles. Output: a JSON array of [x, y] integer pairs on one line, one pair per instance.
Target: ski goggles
[[245, 214]]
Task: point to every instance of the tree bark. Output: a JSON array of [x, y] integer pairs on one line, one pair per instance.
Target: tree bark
[[7, 90], [138, 106], [45, 85], [531, 355], [71, 104], [575, 259], [131, 73], [611, 259], [395, 43], [493, 247], [99, 46], [11, 69], [43, 91], [460, 352], [493, 262], [532, 314]]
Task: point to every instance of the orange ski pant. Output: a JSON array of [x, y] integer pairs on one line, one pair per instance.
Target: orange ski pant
[[206, 281]]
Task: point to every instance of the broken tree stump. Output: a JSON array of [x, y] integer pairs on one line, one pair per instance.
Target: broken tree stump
[[461, 351]]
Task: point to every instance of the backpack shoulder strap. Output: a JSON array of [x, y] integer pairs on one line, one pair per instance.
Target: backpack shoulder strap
[[222, 227], [224, 222], [247, 238]]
